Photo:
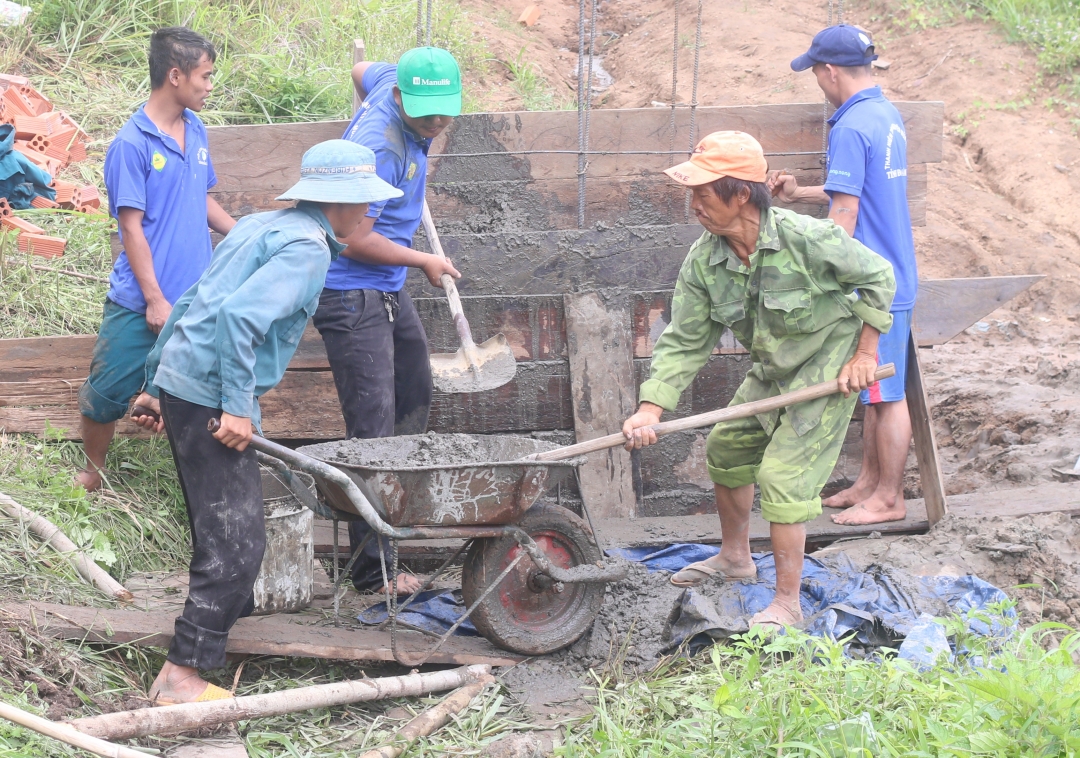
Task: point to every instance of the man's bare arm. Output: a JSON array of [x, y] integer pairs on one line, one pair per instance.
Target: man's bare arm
[[786, 188], [220, 221], [368, 246], [845, 211], [358, 77], [142, 265]]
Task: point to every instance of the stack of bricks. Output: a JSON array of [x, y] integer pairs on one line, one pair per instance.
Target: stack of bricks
[[31, 238], [50, 139]]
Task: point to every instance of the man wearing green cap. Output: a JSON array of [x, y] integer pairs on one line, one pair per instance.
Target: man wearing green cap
[[374, 340], [228, 341]]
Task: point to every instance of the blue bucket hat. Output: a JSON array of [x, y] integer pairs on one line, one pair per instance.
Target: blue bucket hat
[[339, 171], [840, 45]]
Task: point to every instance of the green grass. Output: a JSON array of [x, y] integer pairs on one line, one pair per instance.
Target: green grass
[[799, 696]]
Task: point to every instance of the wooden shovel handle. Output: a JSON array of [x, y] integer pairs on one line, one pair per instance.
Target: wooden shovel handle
[[743, 410], [447, 281]]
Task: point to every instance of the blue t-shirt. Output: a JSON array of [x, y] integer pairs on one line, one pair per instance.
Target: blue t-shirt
[[146, 169], [400, 160], [867, 158]]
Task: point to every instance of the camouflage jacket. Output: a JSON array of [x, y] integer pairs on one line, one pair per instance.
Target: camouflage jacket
[[795, 309]]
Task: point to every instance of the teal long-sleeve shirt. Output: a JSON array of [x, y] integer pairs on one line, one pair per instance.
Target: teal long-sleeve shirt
[[231, 336]]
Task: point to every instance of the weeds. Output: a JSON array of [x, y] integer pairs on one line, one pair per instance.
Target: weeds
[[530, 85]]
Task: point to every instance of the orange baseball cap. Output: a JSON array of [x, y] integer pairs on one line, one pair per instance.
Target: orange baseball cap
[[721, 154]]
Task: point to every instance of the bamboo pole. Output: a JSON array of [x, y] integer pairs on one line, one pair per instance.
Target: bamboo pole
[[431, 720], [172, 719], [64, 733], [51, 535]]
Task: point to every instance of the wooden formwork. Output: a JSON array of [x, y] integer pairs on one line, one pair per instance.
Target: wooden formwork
[[580, 307]]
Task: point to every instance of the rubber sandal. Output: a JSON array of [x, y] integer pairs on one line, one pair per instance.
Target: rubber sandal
[[212, 692], [707, 572], [771, 620]]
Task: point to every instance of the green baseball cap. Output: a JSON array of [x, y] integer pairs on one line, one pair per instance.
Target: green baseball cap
[[430, 83]]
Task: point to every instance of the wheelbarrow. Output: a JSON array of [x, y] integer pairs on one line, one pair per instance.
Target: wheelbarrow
[[533, 576]]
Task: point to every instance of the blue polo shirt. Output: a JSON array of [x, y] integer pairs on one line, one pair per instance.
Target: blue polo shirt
[[400, 160], [867, 158], [146, 169]]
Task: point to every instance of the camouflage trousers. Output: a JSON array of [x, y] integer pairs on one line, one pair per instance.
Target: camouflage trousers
[[790, 470]]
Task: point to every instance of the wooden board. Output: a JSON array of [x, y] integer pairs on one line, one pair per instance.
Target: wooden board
[[604, 390], [946, 307], [279, 634], [922, 432], [267, 157]]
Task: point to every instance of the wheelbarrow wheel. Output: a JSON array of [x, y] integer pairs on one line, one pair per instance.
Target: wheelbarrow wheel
[[528, 613]]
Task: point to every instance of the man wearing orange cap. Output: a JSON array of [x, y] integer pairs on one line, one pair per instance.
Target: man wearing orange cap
[[809, 302]]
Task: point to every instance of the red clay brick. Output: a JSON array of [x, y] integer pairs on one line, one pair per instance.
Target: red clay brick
[[40, 201], [40, 244], [20, 225], [530, 15]]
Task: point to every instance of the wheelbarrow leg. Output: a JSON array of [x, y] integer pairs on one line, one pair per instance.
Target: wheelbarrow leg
[[347, 571], [337, 572]]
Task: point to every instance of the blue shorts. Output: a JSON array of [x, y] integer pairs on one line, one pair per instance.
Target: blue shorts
[[891, 348], [118, 366]]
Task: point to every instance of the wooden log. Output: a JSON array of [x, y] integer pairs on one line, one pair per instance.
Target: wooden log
[[51, 535], [66, 734], [432, 719], [604, 393], [922, 432], [173, 719]]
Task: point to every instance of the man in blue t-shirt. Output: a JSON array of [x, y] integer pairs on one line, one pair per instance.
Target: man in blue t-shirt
[[375, 342], [866, 190], [157, 173]]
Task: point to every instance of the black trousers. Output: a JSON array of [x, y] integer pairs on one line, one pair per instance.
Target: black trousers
[[378, 354], [223, 492]]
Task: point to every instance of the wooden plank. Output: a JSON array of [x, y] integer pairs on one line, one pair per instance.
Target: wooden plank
[[922, 432], [946, 307], [604, 393], [267, 156], [357, 57], [281, 634]]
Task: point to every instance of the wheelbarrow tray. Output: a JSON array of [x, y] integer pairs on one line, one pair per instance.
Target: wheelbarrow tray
[[497, 489]]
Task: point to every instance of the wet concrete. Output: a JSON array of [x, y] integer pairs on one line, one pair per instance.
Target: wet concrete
[[429, 449]]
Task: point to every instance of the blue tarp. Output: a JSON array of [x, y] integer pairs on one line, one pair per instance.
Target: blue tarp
[[20, 179], [877, 607]]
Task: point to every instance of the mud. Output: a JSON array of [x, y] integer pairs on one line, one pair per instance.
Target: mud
[[1034, 559], [429, 449]]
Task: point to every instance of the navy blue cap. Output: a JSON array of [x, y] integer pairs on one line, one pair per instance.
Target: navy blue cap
[[840, 45]]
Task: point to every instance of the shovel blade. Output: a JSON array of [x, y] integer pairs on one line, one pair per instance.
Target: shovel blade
[[495, 366]]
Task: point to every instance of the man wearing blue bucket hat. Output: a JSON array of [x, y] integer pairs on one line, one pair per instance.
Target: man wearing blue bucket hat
[[866, 190], [228, 341]]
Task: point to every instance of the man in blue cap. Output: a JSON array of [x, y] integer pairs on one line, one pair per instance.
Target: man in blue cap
[[228, 341], [375, 342], [866, 190]]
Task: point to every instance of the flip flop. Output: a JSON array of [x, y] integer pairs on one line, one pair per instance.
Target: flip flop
[[212, 692], [706, 572], [771, 620]]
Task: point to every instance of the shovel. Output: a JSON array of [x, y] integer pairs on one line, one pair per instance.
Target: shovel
[[743, 410], [473, 368]]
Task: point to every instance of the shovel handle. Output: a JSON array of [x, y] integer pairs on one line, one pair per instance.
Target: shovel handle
[[742, 410], [447, 281]]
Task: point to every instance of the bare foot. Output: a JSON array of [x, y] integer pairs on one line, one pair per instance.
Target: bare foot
[[873, 510], [89, 479], [406, 584], [177, 684], [853, 495], [778, 615]]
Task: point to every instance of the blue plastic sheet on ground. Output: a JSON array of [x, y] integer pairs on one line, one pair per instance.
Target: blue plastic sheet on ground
[[877, 607], [880, 606], [433, 611]]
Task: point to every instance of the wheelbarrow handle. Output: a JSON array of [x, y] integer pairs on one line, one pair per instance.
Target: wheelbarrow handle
[[317, 468], [742, 410]]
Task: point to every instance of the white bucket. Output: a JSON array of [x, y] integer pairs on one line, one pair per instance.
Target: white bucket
[[286, 579]]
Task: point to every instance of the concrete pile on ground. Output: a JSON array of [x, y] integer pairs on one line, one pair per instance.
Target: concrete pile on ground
[[51, 140]]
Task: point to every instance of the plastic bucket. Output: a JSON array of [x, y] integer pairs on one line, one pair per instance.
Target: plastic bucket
[[287, 576]]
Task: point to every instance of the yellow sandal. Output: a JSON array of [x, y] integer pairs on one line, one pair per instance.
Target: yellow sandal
[[212, 692]]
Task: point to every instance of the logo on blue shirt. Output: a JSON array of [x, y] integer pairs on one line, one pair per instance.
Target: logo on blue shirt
[[203, 156]]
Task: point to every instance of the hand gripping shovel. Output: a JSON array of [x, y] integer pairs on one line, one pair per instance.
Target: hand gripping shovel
[[742, 410], [473, 368]]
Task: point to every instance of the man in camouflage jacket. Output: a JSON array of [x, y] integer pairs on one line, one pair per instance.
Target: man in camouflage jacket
[[809, 302]]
